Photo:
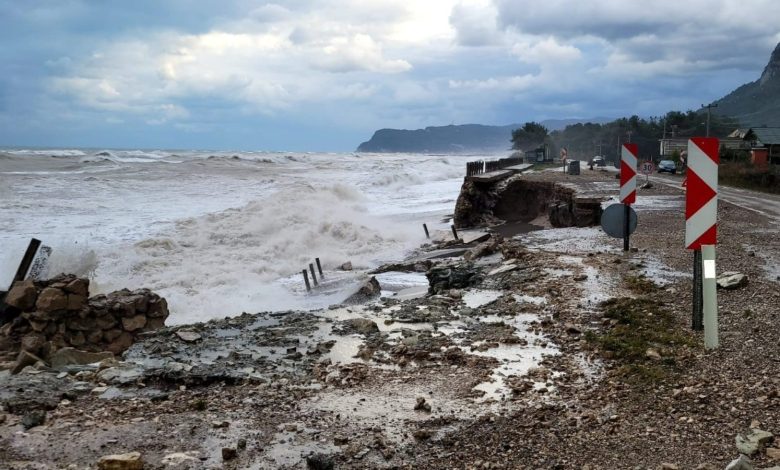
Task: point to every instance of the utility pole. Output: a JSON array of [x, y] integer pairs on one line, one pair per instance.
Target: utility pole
[[709, 107], [629, 135]]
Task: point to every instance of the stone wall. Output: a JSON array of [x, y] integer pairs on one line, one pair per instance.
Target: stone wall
[[46, 316]]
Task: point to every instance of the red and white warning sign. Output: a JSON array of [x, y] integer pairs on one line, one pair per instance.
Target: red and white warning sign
[[628, 162], [701, 198]]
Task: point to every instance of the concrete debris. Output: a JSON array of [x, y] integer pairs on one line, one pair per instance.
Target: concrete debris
[[732, 280]]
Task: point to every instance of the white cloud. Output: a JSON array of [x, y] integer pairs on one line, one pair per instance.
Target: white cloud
[[475, 23], [357, 52], [265, 70], [270, 12], [403, 62], [513, 83], [545, 51]]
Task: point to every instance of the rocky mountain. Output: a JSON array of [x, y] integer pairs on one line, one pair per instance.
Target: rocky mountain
[[756, 103], [465, 138]]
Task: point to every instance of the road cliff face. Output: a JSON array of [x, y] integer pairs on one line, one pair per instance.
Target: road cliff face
[[525, 200]]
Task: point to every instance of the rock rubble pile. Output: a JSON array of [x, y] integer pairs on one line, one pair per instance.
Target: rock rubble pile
[[46, 316]]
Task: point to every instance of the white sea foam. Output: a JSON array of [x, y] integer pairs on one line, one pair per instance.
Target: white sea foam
[[47, 152], [242, 259]]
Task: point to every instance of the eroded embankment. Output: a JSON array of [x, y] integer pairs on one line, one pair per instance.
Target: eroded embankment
[[519, 200]]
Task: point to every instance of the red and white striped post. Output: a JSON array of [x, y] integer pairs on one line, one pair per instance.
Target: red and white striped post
[[628, 165], [701, 225]]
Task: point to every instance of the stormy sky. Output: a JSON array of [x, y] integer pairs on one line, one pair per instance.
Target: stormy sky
[[324, 74]]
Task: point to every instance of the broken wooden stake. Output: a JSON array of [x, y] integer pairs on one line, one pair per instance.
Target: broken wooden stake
[[27, 260], [313, 276]]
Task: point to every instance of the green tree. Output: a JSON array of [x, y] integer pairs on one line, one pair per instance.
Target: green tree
[[531, 135]]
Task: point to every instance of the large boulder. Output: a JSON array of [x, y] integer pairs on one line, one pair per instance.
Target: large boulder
[[753, 441], [483, 249], [33, 342], [77, 286], [25, 359], [368, 291], [71, 356], [129, 461], [731, 280], [52, 299], [22, 295], [136, 322], [453, 276], [121, 343], [362, 325], [740, 463]]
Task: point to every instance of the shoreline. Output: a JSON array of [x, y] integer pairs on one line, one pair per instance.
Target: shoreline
[[507, 356]]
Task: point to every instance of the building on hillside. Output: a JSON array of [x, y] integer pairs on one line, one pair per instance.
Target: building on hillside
[[765, 145], [740, 139], [540, 154], [671, 145]]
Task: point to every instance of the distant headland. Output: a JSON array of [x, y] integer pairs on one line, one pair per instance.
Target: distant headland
[[466, 138]]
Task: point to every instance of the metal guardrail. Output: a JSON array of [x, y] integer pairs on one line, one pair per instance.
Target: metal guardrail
[[480, 166]]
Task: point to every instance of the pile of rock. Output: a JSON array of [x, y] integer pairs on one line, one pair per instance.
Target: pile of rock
[[46, 316], [453, 276]]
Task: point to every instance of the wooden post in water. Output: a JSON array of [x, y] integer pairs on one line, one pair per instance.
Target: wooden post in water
[[454, 232], [27, 259], [427, 235], [313, 276], [319, 267], [306, 280]]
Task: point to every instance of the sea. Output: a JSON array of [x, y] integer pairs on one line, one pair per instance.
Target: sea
[[221, 233]]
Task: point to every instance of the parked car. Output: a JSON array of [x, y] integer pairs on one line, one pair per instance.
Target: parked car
[[597, 161], [667, 165]]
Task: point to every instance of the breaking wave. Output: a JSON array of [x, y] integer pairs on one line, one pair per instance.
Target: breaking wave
[[243, 253]]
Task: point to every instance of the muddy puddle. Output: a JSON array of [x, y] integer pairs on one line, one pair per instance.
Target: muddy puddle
[[513, 359], [478, 298]]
